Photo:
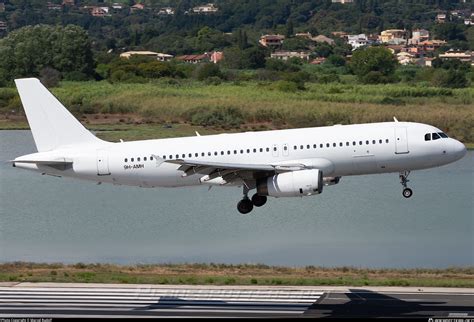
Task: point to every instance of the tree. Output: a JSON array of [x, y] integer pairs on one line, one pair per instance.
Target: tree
[[373, 64], [26, 51]]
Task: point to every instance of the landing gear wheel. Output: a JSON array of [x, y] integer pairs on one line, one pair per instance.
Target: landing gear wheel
[[258, 200], [245, 206], [407, 192]]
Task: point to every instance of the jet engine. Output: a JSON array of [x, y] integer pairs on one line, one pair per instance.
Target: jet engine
[[292, 184]]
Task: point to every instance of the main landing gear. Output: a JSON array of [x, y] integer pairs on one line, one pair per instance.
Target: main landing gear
[[407, 192], [246, 204]]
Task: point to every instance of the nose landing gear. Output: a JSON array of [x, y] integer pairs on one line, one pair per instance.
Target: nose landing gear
[[407, 192]]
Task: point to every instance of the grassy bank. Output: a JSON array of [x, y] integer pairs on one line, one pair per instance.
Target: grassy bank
[[252, 105], [221, 274]]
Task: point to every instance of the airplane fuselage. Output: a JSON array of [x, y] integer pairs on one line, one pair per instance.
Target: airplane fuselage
[[340, 150]]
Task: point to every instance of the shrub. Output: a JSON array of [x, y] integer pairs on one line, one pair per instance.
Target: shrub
[[286, 86], [226, 117], [50, 77], [450, 78], [206, 71]]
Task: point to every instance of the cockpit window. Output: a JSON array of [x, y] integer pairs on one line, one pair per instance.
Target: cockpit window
[[443, 135], [428, 137], [435, 136]]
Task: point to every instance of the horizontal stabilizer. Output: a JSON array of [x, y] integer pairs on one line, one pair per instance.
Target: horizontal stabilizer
[[43, 162]]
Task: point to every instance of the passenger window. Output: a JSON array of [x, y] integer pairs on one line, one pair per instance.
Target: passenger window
[[334, 144], [308, 146], [183, 156], [171, 157], [222, 152], [340, 144], [295, 147], [235, 151], [209, 153], [151, 158], [228, 152], [267, 149], [315, 146], [164, 157], [138, 159], [380, 141], [274, 148], [144, 159], [301, 147], [427, 137], [255, 150], [386, 140], [347, 143], [327, 145], [321, 145], [241, 151], [354, 143], [285, 148], [435, 136], [367, 142], [196, 154], [248, 150], [360, 142], [261, 149], [177, 156], [215, 152], [373, 141], [190, 155]]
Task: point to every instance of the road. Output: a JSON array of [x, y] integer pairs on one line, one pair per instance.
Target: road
[[109, 300]]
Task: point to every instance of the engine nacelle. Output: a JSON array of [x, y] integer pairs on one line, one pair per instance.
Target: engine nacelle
[[292, 184]]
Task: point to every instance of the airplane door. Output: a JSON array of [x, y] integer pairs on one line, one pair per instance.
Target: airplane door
[[401, 140], [286, 151], [102, 163], [275, 150]]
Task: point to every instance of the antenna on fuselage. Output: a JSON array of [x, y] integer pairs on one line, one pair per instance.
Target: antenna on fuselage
[[395, 119]]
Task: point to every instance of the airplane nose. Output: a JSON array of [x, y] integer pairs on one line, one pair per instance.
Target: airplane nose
[[458, 149]]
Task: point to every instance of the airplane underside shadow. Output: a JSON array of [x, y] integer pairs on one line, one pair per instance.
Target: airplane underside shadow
[[362, 303]]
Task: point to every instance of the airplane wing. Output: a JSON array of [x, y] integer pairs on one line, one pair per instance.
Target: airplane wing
[[231, 171]]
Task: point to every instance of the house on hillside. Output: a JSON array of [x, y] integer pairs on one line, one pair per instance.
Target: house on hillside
[[405, 58], [271, 40], [342, 1], [117, 6], [464, 56], [440, 18], [358, 41], [323, 39], [3, 26], [53, 6], [194, 59], [285, 55], [70, 3], [207, 8], [419, 35], [393, 36], [144, 53], [432, 45], [166, 11], [137, 7], [100, 12], [216, 56]]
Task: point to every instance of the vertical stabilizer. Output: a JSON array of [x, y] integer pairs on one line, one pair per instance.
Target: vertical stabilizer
[[52, 125]]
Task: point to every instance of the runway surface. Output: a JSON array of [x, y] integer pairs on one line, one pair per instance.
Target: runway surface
[[105, 300]]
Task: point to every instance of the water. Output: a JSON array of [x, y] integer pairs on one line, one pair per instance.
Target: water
[[364, 221]]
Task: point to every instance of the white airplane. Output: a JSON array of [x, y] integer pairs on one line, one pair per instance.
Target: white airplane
[[283, 163]]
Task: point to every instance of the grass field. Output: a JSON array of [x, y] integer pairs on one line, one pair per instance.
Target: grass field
[[246, 274], [254, 106]]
